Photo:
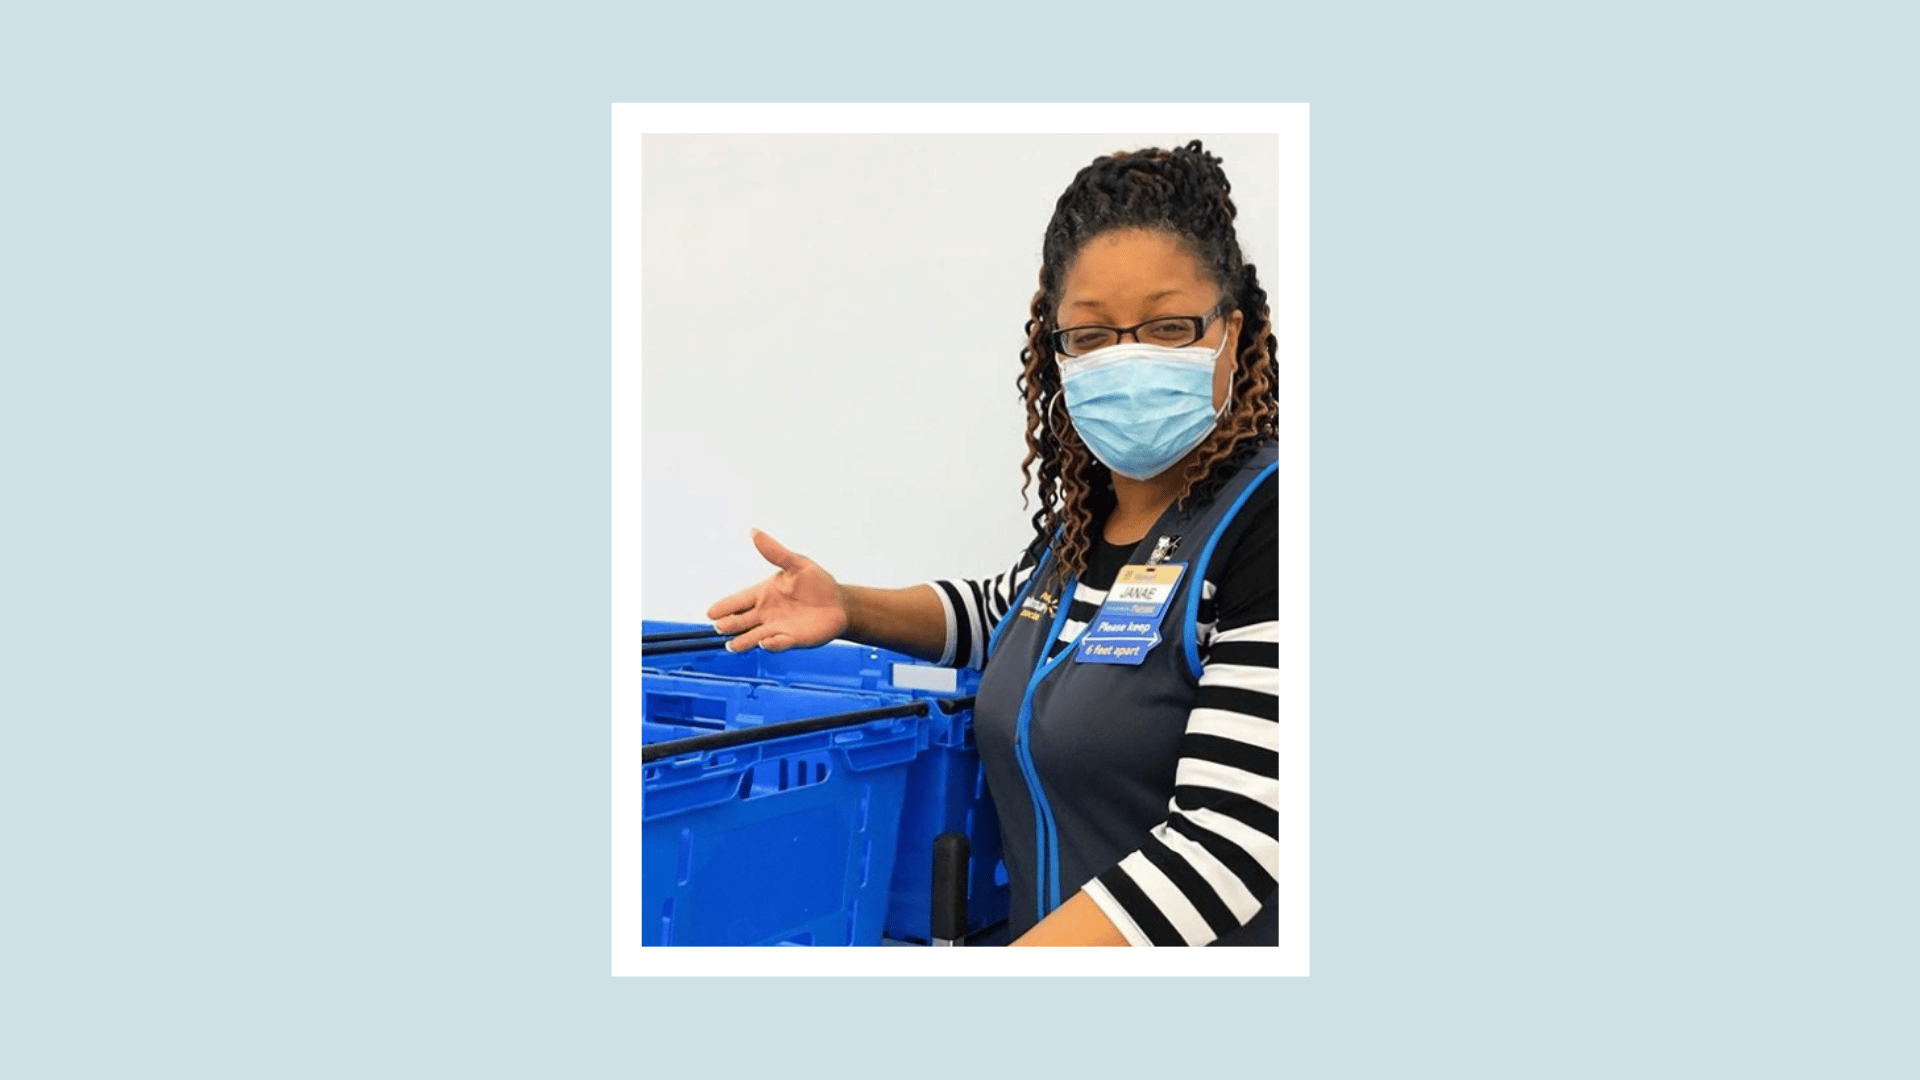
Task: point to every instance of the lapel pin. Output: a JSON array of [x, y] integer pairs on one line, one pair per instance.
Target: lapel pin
[[1162, 548]]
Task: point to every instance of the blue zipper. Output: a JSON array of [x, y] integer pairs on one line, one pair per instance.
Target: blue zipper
[[1044, 828], [1051, 889]]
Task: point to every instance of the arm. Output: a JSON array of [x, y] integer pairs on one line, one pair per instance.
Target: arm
[[972, 609], [945, 622], [1079, 921], [909, 620], [802, 606]]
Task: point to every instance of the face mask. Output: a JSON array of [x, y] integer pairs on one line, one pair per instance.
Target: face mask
[[1140, 408]]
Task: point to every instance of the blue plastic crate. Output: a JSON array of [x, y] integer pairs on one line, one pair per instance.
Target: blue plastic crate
[[946, 788], [946, 792], [786, 839], [838, 665]]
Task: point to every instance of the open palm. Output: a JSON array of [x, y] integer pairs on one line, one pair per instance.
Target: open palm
[[799, 607]]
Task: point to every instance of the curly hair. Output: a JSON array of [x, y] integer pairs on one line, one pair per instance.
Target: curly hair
[[1182, 193]]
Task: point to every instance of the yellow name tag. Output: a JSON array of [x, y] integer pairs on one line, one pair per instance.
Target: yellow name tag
[[1127, 626], [1144, 584]]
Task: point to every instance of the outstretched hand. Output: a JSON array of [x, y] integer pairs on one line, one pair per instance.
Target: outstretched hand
[[799, 607]]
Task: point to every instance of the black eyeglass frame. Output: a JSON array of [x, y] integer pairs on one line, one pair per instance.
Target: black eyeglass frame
[[1200, 323]]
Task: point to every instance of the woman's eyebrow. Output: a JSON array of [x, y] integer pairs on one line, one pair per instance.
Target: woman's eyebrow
[[1095, 305]]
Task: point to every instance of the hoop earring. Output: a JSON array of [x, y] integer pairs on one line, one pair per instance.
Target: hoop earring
[[1052, 427]]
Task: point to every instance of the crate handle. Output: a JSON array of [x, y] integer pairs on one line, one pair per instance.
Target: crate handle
[[679, 635], [947, 922], [670, 647], [740, 736]]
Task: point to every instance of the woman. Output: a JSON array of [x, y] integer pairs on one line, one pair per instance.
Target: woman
[[1129, 735]]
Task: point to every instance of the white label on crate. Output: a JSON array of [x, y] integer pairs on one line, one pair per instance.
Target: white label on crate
[[923, 677]]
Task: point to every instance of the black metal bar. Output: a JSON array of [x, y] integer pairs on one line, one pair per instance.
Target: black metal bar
[[956, 704], [671, 647], [678, 635], [720, 740]]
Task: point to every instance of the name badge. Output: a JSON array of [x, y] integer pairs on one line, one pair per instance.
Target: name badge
[[1127, 626]]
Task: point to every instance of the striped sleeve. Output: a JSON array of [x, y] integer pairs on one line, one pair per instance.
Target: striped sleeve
[[974, 607], [1207, 869]]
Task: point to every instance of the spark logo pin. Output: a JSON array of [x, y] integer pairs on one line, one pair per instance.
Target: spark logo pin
[[1162, 548]]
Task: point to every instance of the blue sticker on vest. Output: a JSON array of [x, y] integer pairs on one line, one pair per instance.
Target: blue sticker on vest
[[1127, 626]]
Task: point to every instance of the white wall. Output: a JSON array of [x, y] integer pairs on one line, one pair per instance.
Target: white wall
[[829, 330]]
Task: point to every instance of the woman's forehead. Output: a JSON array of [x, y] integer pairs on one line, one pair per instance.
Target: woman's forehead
[[1132, 268]]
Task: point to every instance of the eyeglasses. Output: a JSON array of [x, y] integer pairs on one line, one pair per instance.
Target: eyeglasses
[[1171, 331]]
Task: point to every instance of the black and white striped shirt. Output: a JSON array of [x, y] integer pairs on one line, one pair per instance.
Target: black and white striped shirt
[[1213, 860]]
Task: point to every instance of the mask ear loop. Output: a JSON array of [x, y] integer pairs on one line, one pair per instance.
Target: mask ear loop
[[1221, 412], [1059, 392], [1233, 372]]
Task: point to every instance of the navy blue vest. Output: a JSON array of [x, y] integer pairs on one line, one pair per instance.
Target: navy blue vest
[[1080, 758]]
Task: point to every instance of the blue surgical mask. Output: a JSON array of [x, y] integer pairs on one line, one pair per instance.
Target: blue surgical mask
[[1140, 408]]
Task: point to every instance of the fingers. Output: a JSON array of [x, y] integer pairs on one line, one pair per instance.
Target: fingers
[[736, 604], [774, 552], [762, 636], [736, 614]]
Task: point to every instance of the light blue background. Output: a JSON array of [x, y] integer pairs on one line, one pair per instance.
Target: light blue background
[[304, 613]]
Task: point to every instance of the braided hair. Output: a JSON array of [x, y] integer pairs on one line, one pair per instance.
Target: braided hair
[[1182, 193]]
